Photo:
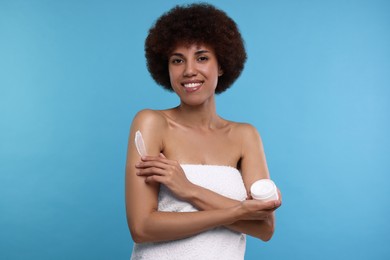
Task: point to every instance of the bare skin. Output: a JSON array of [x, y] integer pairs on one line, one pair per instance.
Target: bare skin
[[193, 133]]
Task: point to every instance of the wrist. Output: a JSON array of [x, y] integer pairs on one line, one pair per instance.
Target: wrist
[[235, 213], [191, 192]]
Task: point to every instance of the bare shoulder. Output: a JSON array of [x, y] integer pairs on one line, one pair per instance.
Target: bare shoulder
[[152, 124], [245, 131], [246, 128], [149, 119]]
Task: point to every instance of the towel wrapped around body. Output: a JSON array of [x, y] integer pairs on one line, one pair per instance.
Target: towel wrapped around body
[[217, 243]]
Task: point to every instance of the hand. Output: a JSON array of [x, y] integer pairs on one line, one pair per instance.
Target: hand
[[170, 173], [258, 210]]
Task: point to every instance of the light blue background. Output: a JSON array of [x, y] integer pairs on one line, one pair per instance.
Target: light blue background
[[316, 85]]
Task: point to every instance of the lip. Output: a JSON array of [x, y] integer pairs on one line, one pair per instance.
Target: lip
[[192, 86]]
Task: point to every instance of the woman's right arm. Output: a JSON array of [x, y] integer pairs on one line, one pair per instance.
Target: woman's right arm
[[146, 223]]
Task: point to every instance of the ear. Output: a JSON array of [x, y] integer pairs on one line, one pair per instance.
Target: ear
[[220, 71]]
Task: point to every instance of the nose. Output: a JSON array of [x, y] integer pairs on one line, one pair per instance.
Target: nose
[[190, 69]]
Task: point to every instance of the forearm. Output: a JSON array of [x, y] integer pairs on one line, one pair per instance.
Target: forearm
[[166, 226], [262, 229], [205, 199]]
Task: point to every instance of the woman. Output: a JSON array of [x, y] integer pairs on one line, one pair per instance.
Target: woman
[[189, 198]]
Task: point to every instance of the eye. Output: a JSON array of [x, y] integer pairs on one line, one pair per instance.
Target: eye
[[176, 60], [203, 58]]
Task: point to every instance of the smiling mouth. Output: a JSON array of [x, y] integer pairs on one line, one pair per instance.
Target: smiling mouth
[[193, 86]]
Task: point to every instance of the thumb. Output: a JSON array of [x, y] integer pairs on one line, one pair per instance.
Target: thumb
[[162, 156]]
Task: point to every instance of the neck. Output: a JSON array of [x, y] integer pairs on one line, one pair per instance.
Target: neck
[[203, 116]]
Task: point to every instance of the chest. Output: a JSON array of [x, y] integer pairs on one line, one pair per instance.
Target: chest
[[190, 147]]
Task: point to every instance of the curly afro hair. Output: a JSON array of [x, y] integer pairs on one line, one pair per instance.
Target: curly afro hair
[[199, 24]]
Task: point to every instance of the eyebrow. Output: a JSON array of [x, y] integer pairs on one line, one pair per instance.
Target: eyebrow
[[196, 53]]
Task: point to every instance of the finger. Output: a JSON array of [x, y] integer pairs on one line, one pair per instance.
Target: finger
[[149, 158], [148, 164], [154, 178], [156, 158], [150, 171], [276, 203], [162, 156], [279, 195], [271, 205]]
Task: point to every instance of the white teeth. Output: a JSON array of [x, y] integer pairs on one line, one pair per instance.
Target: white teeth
[[192, 85]]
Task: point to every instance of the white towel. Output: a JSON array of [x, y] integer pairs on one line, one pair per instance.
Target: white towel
[[218, 243]]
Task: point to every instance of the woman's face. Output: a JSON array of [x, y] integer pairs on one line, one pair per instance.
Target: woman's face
[[194, 71]]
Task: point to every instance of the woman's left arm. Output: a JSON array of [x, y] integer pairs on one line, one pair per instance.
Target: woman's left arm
[[254, 167]]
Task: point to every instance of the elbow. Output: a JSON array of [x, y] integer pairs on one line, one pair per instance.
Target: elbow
[[141, 228], [266, 237], [138, 234], [267, 233]]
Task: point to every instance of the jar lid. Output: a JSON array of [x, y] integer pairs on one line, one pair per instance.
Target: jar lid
[[263, 189]]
